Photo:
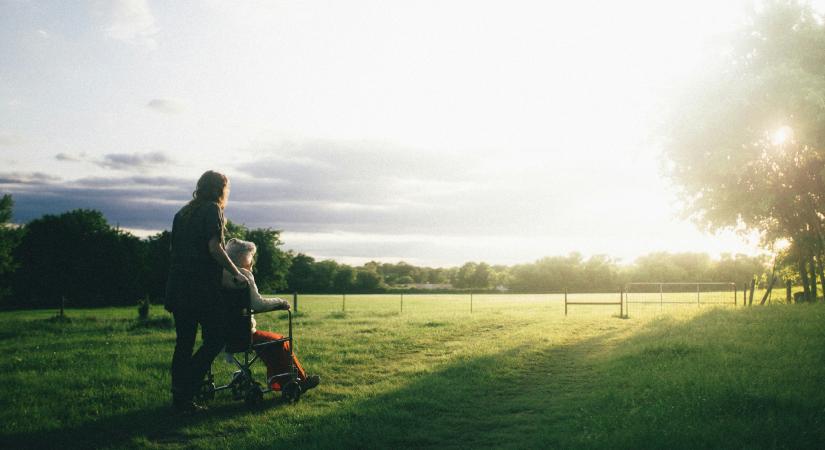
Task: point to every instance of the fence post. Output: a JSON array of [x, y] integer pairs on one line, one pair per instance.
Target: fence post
[[62, 306], [621, 302], [788, 294], [627, 301], [565, 302], [295, 301], [661, 297], [753, 288]]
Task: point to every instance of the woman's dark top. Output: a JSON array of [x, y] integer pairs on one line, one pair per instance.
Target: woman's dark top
[[194, 275]]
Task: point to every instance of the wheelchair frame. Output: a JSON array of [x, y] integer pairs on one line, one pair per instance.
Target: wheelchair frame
[[243, 385]]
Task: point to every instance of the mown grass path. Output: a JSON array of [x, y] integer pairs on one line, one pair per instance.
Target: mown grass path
[[520, 377]]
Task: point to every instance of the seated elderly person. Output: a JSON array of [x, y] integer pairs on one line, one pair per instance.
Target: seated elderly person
[[276, 357]]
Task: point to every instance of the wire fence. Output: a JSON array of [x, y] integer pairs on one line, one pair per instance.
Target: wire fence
[[636, 296]]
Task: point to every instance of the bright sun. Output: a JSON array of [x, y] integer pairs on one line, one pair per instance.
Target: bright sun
[[782, 135]]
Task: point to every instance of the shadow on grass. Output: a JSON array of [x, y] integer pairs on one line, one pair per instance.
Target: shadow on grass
[[711, 381], [161, 323], [159, 425]]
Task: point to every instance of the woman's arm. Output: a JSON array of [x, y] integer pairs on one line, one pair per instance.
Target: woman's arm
[[219, 254]]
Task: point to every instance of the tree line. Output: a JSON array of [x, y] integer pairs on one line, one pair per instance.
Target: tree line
[[79, 258]]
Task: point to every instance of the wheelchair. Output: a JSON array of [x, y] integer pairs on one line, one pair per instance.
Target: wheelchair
[[244, 353]]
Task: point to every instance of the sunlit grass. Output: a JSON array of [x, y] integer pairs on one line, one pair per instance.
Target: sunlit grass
[[513, 373]]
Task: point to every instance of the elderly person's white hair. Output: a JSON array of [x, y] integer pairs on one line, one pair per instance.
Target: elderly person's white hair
[[237, 250]]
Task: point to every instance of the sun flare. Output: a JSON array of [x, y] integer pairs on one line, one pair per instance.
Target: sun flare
[[781, 135]]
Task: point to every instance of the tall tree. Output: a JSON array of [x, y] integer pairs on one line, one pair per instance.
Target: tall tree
[[344, 279], [746, 142], [77, 255], [156, 264], [271, 263], [9, 238], [301, 273]]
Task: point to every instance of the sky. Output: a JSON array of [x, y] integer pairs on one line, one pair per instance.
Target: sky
[[433, 132]]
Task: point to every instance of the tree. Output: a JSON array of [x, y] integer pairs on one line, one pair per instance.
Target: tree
[[344, 279], [77, 255], [482, 276], [737, 268], [324, 272], [156, 264], [438, 276], [301, 273], [9, 238], [367, 280], [234, 230], [271, 263], [463, 277], [746, 143]]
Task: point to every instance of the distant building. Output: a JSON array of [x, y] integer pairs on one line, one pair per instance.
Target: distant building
[[428, 286]]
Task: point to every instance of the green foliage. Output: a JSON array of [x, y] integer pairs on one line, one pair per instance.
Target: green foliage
[[463, 277], [6, 204], [156, 265], [301, 276], [343, 279], [271, 263], [556, 273], [233, 230], [367, 280], [745, 142], [9, 239], [77, 255]]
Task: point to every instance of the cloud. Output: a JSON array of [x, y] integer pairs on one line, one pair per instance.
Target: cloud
[[66, 157], [133, 201], [166, 105], [129, 21], [127, 161], [448, 205], [8, 139], [119, 161], [356, 172], [26, 178], [374, 187]]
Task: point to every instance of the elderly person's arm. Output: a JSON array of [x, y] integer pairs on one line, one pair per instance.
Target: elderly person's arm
[[259, 303]]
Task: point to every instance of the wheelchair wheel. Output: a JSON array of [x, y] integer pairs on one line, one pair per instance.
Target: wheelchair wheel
[[254, 394], [291, 392], [239, 385], [207, 391]]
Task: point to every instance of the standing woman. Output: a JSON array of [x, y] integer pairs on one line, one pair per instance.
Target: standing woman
[[193, 288]]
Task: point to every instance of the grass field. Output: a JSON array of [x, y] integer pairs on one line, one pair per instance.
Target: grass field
[[515, 373]]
